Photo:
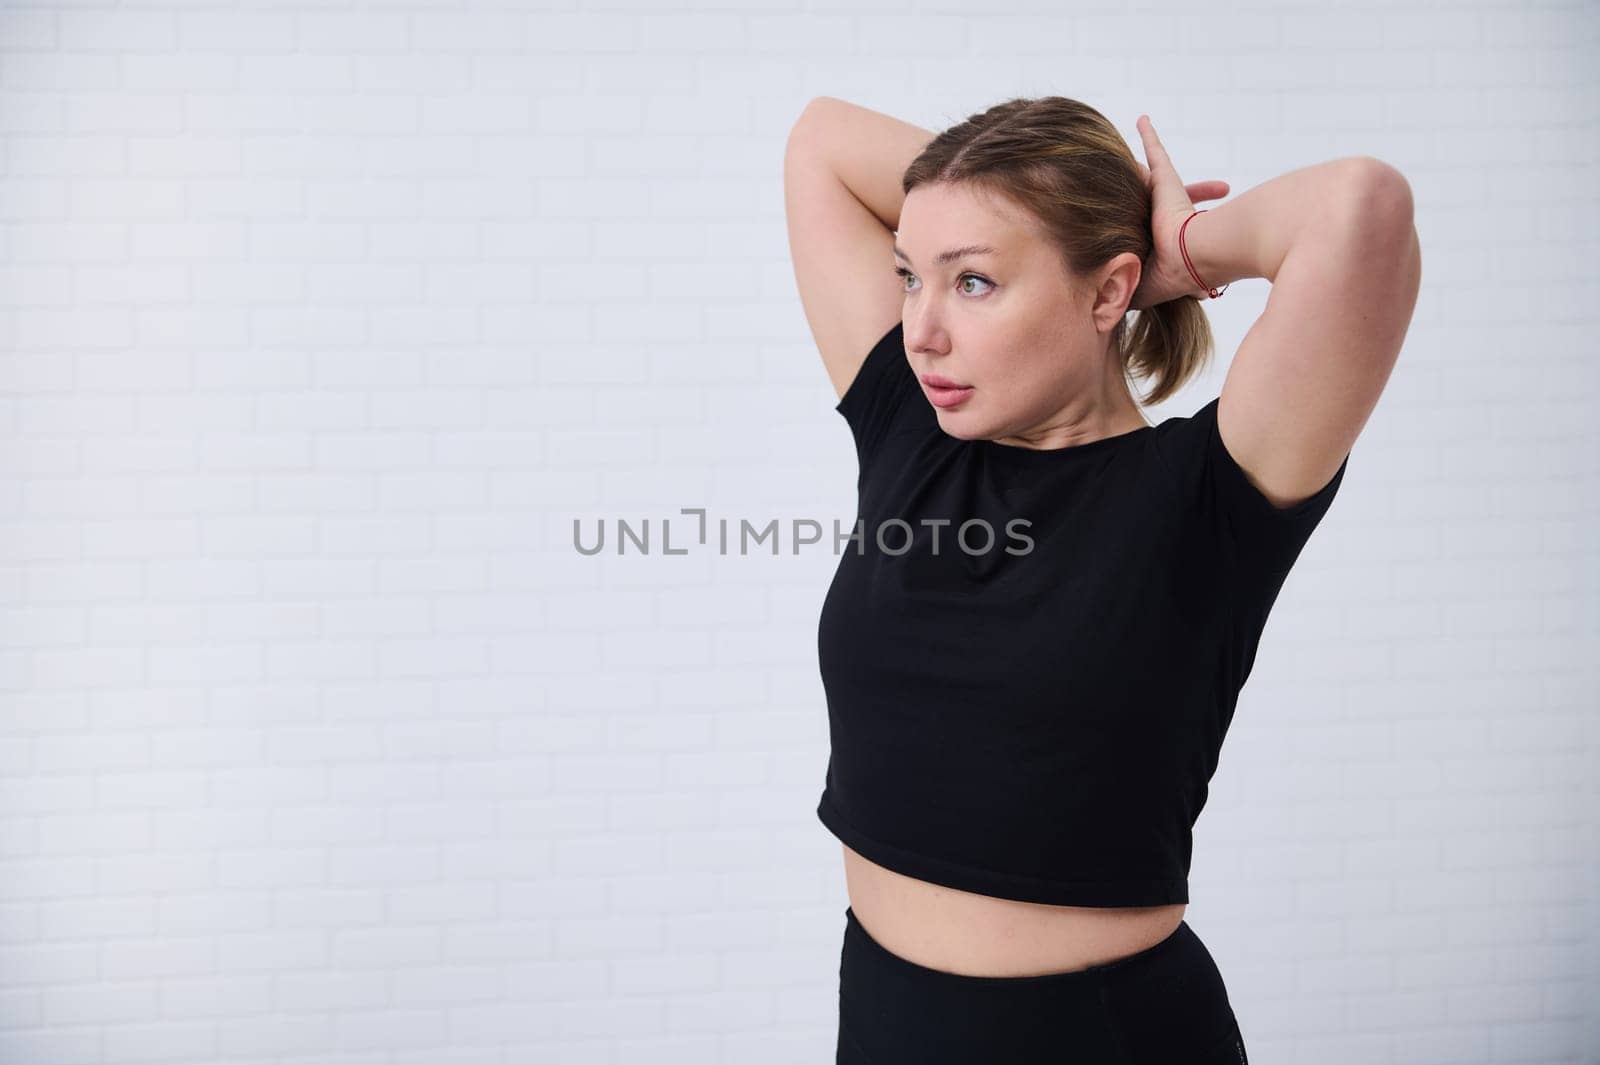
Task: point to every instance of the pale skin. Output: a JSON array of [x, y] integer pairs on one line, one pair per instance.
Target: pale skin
[[1337, 242], [1011, 323]]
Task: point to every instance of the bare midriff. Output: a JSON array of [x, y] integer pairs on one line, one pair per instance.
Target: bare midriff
[[960, 932]]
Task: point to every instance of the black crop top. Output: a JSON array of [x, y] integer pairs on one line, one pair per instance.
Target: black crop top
[[1034, 710]]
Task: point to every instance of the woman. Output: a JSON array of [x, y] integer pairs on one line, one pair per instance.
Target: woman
[[1033, 646]]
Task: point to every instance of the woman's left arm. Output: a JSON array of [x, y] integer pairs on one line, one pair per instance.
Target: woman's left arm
[[1345, 265]]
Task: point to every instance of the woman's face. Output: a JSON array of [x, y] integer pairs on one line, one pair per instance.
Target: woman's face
[[1007, 323]]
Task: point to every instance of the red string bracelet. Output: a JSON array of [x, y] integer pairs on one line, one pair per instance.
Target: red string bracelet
[[1211, 292]]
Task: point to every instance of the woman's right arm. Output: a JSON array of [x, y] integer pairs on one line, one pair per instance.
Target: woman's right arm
[[868, 150], [841, 186]]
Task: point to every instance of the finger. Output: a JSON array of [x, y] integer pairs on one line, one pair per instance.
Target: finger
[[1206, 190], [1152, 145]]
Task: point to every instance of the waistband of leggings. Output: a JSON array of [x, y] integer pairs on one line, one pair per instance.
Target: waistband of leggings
[[888, 961]]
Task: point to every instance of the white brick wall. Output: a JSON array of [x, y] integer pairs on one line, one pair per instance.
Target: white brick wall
[[319, 743]]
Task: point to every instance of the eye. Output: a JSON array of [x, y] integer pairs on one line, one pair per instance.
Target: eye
[[904, 273]]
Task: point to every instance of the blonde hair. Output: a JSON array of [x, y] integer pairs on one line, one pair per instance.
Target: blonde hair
[[1065, 164]]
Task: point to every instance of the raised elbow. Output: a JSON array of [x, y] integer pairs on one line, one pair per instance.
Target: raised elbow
[[1378, 206], [1383, 185]]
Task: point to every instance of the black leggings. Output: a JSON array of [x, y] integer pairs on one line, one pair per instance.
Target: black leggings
[[1165, 1005]]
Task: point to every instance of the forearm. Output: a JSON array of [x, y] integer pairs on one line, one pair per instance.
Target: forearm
[[1249, 236], [867, 150]]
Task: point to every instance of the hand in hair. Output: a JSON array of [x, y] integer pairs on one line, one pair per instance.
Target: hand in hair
[[1164, 276]]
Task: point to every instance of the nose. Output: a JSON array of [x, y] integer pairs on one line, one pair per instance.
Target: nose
[[917, 330]]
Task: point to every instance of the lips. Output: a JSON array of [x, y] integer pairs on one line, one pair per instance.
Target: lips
[[933, 380], [944, 397]]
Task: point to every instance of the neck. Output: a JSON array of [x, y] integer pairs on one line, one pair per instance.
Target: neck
[[1117, 406]]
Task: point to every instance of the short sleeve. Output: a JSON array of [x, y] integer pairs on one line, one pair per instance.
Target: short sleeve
[[1261, 537], [880, 389]]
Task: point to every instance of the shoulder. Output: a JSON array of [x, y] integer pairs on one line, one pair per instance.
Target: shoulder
[[1252, 529], [1181, 442], [881, 391]]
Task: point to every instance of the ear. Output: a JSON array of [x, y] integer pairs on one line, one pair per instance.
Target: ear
[[1119, 279]]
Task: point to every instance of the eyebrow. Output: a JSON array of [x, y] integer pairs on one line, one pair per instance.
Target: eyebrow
[[953, 254]]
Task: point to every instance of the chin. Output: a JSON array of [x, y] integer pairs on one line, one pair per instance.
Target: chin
[[955, 425]]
